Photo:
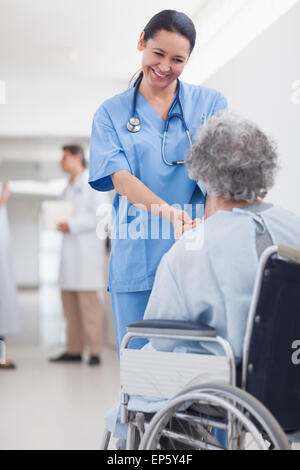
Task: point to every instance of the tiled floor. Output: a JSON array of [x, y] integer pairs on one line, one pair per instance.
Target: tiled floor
[[55, 406], [52, 406]]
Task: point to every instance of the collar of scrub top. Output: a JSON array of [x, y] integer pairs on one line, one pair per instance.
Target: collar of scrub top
[[134, 124]]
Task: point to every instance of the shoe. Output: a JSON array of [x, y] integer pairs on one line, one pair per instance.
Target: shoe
[[94, 361], [8, 365], [66, 357]]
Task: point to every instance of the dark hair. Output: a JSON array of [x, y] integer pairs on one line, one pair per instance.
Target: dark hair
[[76, 150], [172, 21]]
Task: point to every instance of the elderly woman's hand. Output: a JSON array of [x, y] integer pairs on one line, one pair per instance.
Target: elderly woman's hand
[[197, 222], [183, 223], [191, 226]]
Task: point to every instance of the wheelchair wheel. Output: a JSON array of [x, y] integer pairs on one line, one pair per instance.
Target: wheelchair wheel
[[204, 416]]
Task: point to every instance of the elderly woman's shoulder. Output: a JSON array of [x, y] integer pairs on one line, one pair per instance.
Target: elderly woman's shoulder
[[203, 238], [283, 214]]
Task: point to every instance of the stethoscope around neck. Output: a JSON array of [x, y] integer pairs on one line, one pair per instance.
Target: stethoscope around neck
[[134, 123]]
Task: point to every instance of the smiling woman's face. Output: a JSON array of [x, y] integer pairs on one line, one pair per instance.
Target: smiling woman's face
[[164, 58]]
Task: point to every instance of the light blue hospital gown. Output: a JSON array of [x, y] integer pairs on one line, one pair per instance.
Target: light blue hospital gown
[[213, 285]]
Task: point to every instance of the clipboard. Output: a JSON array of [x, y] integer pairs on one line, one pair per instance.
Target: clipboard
[[56, 212]]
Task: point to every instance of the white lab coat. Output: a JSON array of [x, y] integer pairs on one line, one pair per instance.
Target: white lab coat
[[83, 257], [9, 315]]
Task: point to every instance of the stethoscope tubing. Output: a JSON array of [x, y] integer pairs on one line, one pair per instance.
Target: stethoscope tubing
[[175, 163], [134, 124]]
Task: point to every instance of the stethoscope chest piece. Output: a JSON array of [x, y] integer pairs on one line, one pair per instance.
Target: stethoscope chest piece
[[134, 125]]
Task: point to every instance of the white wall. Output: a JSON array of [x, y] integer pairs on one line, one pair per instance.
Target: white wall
[[37, 149], [39, 107], [259, 84]]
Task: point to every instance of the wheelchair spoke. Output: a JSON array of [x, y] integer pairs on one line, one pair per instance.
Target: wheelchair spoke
[[200, 445], [186, 431], [202, 421], [199, 418]]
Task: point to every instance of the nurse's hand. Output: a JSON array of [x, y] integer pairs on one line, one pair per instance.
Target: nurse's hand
[[63, 227], [181, 222]]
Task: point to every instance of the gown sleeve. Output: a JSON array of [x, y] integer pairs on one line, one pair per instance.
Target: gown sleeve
[[106, 153]]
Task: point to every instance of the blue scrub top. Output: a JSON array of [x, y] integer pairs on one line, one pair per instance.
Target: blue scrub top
[[139, 238]]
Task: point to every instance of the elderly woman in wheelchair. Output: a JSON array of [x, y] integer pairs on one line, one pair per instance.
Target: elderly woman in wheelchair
[[224, 313]]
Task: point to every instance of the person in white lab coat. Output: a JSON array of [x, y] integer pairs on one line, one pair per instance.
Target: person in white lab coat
[[9, 318], [82, 269]]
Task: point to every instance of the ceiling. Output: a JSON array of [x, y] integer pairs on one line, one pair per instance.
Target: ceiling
[[60, 59], [83, 39]]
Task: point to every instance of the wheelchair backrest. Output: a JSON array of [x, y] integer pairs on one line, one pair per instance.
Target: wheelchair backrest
[[273, 368]]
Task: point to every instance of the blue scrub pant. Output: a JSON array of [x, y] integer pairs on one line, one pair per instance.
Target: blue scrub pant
[[128, 307]]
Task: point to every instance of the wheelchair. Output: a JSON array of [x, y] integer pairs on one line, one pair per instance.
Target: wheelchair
[[256, 406]]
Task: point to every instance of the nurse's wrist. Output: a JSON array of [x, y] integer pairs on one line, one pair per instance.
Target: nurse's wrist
[[167, 212]]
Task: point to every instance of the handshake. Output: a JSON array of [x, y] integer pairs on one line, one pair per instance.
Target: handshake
[[183, 223]]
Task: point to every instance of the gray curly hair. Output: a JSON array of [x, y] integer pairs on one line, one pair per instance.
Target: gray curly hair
[[233, 158]]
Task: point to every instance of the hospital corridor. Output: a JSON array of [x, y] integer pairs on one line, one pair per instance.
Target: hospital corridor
[[149, 227], [45, 406]]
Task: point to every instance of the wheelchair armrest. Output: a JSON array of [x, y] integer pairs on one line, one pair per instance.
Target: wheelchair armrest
[[171, 327]]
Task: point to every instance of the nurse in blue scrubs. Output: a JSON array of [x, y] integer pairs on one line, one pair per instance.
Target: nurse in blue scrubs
[[155, 199]]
